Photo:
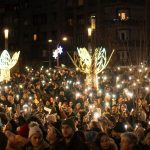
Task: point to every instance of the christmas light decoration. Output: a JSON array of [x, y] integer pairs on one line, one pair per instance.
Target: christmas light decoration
[[57, 52], [6, 63], [90, 64]]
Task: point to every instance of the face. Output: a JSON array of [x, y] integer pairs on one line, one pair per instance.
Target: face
[[36, 139], [147, 139], [124, 143], [67, 131], [114, 109], [51, 134], [105, 142]]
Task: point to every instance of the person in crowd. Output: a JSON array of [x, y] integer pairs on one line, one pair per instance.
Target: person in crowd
[[36, 141], [103, 142], [70, 140], [129, 141], [53, 136]]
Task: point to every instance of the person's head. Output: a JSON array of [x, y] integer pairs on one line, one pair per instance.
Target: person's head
[[114, 109], [68, 128], [10, 98], [71, 104], [53, 134], [35, 136], [123, 107], [78, 106], [147, 139], [129, 141], [103, 141]]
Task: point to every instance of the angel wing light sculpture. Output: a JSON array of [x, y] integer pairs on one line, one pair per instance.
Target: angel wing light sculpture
[[91, 65], [6, 63]]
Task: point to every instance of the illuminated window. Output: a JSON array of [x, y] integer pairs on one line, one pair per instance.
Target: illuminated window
[[35, 37], [93, 22], [123, 14], [80, 2]]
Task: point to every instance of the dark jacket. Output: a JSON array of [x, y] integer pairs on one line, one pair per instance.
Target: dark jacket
[[75, 144]]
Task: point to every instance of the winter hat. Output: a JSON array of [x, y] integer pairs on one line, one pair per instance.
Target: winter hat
[[33, 130], [69, 122], [119, 127]]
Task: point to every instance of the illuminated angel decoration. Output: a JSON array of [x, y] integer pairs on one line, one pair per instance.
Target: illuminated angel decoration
[[6, 63], [91, 65]]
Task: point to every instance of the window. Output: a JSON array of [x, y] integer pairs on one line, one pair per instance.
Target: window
[[123, 14], [80, 2], [123, 35]]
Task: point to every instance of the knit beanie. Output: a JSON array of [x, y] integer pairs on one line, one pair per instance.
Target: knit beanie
[[33, 130], [69, 122]]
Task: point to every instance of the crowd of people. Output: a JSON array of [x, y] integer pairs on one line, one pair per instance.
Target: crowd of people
[[53, 109]]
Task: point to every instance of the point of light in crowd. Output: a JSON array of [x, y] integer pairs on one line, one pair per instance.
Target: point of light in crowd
[[126, 126], [96, 115], [77, 83], [107, 104], [140, 70], [67, 87], [134, 84], [78, 94], [130, 78], [30, 97], [130, 69], [21, 86], [130, 94], [118, 68], [25, 106], [100, 91], [117, 78], [118, 86], [91, 94], [17, 96], [107, 94], [113, 96], [147, 88], [104, 78]]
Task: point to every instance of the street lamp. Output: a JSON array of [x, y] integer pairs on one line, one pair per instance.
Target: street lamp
[[65, 39], [6, 32]]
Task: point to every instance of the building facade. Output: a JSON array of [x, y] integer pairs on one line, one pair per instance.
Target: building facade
[[37, 27]]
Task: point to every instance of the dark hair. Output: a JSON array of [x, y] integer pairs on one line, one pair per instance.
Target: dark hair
[[21, 120]]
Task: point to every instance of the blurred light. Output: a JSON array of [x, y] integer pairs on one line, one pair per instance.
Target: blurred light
[[6, 32], [50, 41]]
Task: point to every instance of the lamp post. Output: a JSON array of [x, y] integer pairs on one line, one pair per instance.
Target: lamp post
[[6, 33], [89, 39], [49, 53]]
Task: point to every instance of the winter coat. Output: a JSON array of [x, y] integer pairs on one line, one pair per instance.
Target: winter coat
[[75, 144]]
